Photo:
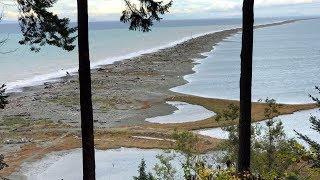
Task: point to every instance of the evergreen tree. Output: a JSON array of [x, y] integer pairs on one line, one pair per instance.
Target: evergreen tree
[[142, 18], [40, 27], [315, 146], [143, 175]]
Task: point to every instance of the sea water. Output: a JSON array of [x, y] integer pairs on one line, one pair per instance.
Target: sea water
[[109, 42], [286, 65]]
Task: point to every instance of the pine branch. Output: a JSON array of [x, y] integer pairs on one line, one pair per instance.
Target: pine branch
[[142, 18], [40, 27]]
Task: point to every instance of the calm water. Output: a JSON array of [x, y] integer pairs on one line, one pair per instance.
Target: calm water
[[286, 65], [109, 42], [185, 113], [110, 165], [120, 164], [298, 121]]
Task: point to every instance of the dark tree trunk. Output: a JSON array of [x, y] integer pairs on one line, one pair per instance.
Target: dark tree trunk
[[85, 93], [245, 86]]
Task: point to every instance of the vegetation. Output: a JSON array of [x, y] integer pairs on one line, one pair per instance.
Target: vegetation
[[273, 155], [165, 170], [315, 147], [142, 18], [40, 27], [186, 146], [269, 152], [142, 172]]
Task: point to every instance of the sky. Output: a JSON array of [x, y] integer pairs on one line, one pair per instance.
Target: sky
[[101, 10]]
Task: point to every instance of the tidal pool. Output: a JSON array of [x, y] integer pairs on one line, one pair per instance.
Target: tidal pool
[[184, 113]]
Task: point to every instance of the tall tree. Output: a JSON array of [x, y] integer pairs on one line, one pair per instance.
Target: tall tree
[[85, 92], [245, 86], [40, 27]]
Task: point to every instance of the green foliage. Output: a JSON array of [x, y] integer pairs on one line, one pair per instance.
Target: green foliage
[[40, 27], [141, 18], [272, 153], [231, 145], [185, 141], [164, 170], [186, 144], [274, 156], [230, 114], [226, 174], [315, 147], [22, 121], [3, 97], [286, 153], [143, 175], [274, 133]]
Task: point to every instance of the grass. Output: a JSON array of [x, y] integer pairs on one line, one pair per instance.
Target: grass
[[13, 121], [67, 101], [21, 121]]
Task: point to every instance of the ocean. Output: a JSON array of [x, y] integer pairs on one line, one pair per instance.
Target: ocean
[[109, 42], [286, 65]]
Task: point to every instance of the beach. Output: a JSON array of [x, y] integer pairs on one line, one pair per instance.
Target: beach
[[124, 93], [47, 117]]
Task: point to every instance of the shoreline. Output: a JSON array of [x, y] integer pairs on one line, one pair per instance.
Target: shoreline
[[124, 94], [55, 96], [54, 77]]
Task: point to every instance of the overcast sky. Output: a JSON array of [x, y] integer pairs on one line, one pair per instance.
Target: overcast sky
[[100, 10]]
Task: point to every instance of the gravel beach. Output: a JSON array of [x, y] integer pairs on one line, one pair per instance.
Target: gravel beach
[[124, 93], [45, 119]]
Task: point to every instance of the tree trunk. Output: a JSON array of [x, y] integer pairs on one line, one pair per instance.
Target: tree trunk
[[245, 86], [85, 93]]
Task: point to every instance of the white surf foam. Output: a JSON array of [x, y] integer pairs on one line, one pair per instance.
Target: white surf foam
[[17, 86]]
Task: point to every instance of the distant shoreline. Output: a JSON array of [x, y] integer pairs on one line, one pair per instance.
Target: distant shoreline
[[124, 95], [155, 67], [38, 80]]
